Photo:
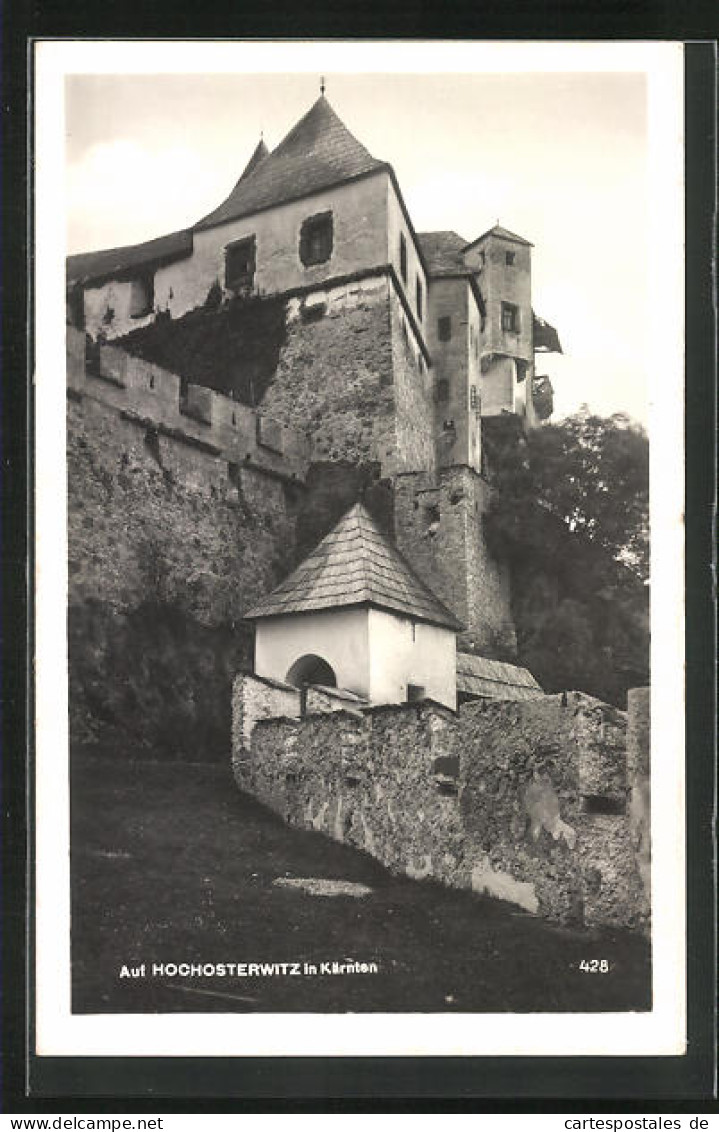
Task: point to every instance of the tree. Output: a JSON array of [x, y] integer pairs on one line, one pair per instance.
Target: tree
[[570, 512]]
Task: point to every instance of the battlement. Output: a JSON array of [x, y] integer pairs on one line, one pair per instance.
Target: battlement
[[157, 399]]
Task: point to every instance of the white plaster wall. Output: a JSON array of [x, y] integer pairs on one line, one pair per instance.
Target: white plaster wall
[[398, 656], [500, 283], [396, 223], [359, 211], [498, 387], [457, 361], [339, 636], [114, 296], [359, 241]]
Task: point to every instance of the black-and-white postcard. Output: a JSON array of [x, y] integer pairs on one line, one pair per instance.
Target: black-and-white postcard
[[359, 441]]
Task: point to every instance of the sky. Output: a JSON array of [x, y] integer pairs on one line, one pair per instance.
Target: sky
[[558, 158]]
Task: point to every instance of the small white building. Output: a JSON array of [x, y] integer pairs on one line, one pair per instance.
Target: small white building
[[354, 615]]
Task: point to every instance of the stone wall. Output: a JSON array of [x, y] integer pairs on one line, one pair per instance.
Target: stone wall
[[334, 376], [523, 801], [413, 407], [195, 416], [438, 527], [170, 541], [638, 773]]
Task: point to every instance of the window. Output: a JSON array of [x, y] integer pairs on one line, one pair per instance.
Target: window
[[509, 258], [418, 295], [443, 389], [415, 693], [316, 239], [240, 258], [510, 317], [444, 328], [142, 296], [403, 257], [473, 399]]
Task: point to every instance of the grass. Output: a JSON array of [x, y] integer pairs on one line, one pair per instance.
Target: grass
[[172, 864]]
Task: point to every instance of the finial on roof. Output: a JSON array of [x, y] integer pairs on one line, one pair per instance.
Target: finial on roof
[[322, 84]]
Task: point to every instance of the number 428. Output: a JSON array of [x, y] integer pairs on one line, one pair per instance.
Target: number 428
[[594, 966]]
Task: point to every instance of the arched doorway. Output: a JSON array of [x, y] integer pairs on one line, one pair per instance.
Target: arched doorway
[[311, 669]]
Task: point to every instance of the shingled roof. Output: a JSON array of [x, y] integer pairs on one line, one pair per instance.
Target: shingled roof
[[260, 153], [494, 679], [113, 262], [443, 253], [355, 564], [504, 234], [318, 152]]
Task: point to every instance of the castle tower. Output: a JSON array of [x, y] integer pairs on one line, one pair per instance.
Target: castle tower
[[503, 263], [439, 527]]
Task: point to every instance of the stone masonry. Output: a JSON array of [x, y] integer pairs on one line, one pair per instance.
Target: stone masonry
[[525, 801]]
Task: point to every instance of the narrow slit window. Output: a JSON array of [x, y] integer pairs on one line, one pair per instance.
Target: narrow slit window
[[403, 257], [444, 328], [418, 294]]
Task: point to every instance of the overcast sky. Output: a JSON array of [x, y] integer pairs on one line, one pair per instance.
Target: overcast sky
[[560, 159]]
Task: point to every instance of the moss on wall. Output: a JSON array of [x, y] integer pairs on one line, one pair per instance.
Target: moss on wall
[[167, 551], [233, 349]]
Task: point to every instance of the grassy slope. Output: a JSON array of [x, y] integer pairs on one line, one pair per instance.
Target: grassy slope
[[172, 864]]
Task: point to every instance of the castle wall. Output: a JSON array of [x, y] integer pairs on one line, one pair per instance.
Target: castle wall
[[455, 365], [334, 376], [359, 211], [495, 799], [639, 780], [397, 225], [438, 527], [412, 437], [210, 421], [170, 542]]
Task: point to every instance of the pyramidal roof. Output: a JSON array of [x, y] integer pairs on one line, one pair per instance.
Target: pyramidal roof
[[504, 234], [319, 151], [355, 564]]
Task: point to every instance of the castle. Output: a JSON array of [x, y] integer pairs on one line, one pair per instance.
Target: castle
[[400, 348], [279, 415]]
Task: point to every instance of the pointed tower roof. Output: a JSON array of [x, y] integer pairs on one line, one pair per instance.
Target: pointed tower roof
[[504, 234], [319, 151], [260, 153], [355, 564]]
